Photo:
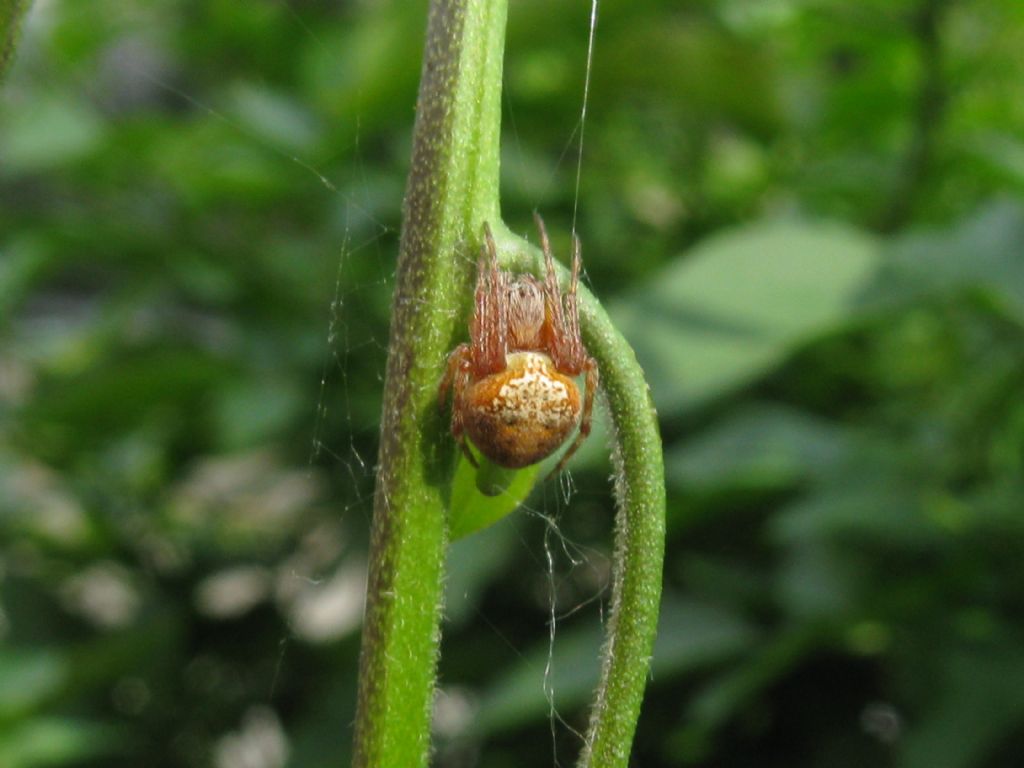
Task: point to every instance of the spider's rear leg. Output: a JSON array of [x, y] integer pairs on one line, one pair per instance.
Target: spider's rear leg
[[460, 438], [552, 293], [456, 377], [590, 383], [574, 354], [560, 336]]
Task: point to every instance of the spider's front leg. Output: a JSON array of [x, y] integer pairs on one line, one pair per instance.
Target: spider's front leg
[[488, 329]]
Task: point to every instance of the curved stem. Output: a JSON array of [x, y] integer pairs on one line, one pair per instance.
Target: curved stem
[[639, 542], [639, 525], [452, 188]]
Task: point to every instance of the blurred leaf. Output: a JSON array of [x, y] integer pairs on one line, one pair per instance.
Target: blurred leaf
[[314, 741], [364, 71], [472, 564], [816, 582], [160, 385], [257, 410], [980, 701], [739, 303], [275, 118], [1002, 154], [688, 61], [20, 262], [757, 670], [862, 509], [27, 679], [759, 445], [47, 132], [518, 696], [53, 741], [690, 635], [982, 253]]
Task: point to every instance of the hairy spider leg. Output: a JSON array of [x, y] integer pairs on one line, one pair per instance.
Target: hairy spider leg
[[566, 347], [576, 358], [456, 376], [556, 330], [455, 357], [489, 327], [485, 354]]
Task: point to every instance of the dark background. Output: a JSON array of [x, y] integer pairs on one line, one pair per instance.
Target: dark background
[[807, 217]]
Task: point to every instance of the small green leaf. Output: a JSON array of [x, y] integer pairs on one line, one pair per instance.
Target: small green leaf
[[472, 508]]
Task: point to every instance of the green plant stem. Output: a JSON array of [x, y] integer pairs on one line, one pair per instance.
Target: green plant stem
[[639, 530], [639, 543], [452, 189]]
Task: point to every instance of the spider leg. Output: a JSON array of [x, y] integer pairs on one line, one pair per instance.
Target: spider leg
[[489, 326], [590, 366], [460, 438], [577, 260], [552, 300], [545, 244], [551, 290], [575, 352], [456, 377], [456, 361]]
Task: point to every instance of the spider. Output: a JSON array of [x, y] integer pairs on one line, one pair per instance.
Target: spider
[[514, 394]]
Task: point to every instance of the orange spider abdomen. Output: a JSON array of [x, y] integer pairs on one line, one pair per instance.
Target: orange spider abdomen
[[520, 415]]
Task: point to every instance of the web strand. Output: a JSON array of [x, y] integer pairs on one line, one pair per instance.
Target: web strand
[[583, 110]]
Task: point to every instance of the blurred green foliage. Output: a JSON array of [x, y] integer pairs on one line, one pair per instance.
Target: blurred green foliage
[[806, 215]]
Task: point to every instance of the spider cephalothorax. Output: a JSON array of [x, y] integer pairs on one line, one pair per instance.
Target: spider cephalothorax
[[514, 393]]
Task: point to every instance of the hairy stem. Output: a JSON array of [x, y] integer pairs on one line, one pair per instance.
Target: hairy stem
[[452, 189], [639, 529]]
